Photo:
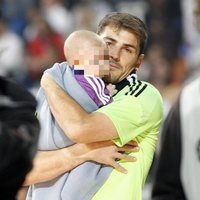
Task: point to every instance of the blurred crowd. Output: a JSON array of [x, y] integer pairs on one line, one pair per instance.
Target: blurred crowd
[[32, 33]]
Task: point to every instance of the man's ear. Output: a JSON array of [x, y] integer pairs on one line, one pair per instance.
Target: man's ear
[[139, 61]]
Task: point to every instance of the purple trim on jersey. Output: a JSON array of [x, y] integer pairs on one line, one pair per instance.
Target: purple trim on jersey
[[79, 72], [100, 86], [90, 89], [106, 91]]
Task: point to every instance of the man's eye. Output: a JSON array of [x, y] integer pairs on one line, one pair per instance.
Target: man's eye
[[108, 43], [128, 50]]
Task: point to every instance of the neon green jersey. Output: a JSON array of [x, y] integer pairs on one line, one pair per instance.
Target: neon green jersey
[[136, 112]]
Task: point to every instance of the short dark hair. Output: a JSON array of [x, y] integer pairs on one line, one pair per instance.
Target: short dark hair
[[126, 21]]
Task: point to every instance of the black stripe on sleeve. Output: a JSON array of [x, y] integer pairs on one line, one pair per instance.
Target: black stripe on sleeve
[[143, 88], [136, 88]]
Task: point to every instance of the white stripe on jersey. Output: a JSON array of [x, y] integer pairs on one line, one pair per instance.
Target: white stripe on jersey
[[100, 81], [101, 98]]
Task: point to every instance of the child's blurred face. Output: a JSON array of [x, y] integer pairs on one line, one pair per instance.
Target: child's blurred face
[[94, 61]]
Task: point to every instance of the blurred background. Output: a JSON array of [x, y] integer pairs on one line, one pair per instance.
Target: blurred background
[[32, 33]]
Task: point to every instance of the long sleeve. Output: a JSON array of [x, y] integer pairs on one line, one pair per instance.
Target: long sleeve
[[167, 184]]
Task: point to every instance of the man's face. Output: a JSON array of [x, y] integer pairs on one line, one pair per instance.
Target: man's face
[[95, 61], [123, 51]]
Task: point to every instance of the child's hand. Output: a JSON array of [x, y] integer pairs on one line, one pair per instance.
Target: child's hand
[[112, 89]]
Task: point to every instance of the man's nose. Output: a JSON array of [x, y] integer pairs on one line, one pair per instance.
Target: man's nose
[[114, 54]]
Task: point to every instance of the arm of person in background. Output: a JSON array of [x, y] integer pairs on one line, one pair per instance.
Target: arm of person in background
[[167, 182], [50, 164], [79, 125]]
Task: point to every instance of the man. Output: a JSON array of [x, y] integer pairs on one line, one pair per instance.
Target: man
[[136, 112]]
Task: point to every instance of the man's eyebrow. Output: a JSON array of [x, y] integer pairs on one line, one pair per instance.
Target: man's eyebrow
[[109, 38], [130, 45], [127, 45]]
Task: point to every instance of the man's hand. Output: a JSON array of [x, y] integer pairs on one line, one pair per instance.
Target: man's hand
[[112, 89], [46, 79], [107, 153]]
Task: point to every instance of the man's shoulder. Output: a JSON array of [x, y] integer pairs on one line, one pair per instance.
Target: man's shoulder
[[140, 89], [151, 87], [142, 94], [152, 91], [152, 94]]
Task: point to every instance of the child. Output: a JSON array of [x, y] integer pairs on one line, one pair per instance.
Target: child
[[88, 54]]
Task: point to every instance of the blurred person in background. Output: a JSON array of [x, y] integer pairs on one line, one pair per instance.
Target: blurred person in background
[[87, 15], [11, 51], [166, 42], [191, 34], [19, 131], [138, 7], [158, 69], [58, 16], [178, 73], [159, 15], [177, 172], [43, 47], [15, 14]]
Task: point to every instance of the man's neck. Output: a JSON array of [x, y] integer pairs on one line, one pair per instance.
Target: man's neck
[[129, 80]]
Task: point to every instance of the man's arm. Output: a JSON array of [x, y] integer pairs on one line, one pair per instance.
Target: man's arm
[[51, 164], [48, 165], [79, 125]]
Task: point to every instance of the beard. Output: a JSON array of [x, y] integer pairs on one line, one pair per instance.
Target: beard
[[107, 78]]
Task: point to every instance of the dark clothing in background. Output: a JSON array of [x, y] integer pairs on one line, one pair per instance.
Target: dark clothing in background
[[19, 131]]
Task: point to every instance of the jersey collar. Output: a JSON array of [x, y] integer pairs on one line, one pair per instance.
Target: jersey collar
[[127, 81]]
